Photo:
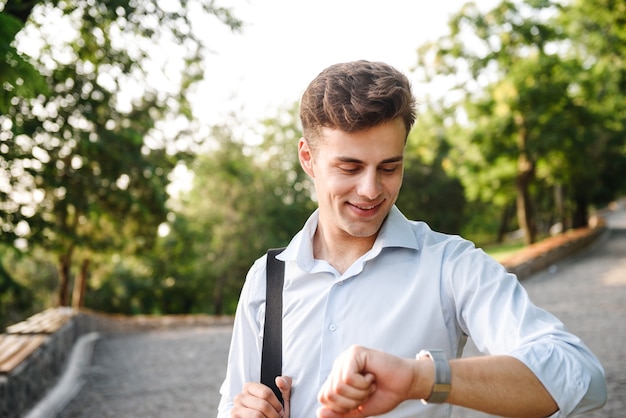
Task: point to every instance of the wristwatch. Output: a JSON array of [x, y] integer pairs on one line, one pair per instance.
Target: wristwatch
[[441, 386]]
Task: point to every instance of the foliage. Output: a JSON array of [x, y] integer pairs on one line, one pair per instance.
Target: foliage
[[84, 168], [18, 77], [27, 283], [15, 299], [527, 123], [244, 199], [597, 30], [428, 192], [535, 122]]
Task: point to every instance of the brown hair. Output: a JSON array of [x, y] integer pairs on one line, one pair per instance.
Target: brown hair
[[354, 96]]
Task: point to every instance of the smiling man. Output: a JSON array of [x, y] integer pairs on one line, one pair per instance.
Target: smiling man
[[357, 178], [377, 308]]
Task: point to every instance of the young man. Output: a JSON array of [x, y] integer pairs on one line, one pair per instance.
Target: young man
[[366, 290]]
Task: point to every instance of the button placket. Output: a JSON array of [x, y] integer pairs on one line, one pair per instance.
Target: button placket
[[332, 337]]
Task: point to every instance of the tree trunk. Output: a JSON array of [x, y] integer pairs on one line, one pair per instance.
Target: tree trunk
[[524, 211], [218, 296], [504, 222], [65, 263], [78, 295], [558, 203], [525, 175], [581, 213]]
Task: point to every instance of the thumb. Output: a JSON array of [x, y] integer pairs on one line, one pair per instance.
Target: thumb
[[284, 385], [324, 412]]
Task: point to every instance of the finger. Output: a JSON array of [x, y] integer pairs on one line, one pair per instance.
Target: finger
[[343, 399], [259, 397], [349, 391], [324, 412], [251, 405], [284, 385], [349, 368]]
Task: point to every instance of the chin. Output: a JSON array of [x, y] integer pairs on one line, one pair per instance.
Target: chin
[[363, 232]]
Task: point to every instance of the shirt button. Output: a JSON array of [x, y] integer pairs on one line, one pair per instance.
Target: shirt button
[[332, 327], [340, 283]]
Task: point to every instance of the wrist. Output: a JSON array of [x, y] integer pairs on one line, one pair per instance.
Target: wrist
[[423, 378], [439, 376]]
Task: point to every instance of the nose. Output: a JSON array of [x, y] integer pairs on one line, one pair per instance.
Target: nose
[[369, 186]]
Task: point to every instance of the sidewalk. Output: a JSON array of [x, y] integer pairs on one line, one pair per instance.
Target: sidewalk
[[154, 374], [177, 373]]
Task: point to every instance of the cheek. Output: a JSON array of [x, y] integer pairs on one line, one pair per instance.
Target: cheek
[[393, 185], [335, 185], [393, 182]]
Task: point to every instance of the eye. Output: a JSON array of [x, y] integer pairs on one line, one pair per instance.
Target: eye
[[389, 169], [350, 169]]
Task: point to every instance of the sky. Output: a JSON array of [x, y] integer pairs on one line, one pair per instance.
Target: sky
[[285, 44]]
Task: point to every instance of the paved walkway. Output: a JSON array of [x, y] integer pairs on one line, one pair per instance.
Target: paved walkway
[[178, 373], [168, 374]]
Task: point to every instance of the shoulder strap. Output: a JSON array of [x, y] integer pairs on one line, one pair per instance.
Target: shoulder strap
[[272, 356]]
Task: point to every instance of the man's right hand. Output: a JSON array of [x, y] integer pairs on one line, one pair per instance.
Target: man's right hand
[[256, 397]]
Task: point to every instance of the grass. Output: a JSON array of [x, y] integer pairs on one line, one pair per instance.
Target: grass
[[504, 250]]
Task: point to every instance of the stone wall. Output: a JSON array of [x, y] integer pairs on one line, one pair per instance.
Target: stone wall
[[25, 385], [29, 381]]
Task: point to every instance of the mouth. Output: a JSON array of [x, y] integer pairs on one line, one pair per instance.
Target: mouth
[[365, 209]]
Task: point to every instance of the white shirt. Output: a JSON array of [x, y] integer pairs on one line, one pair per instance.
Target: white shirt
[[415, 289]]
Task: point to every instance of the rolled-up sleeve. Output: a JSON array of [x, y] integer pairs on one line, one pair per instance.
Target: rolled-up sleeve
[[495, 310], [568, 370]]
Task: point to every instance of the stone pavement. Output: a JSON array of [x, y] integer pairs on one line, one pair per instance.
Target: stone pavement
[[177, 373], [173, 373]]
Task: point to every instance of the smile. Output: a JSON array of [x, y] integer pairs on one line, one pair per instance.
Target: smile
[[363, 207]]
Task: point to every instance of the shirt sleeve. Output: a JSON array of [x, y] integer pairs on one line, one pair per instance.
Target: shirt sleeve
[[244, 358], [494, 309]]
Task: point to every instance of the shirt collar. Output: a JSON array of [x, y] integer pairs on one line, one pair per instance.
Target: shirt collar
[[396, 231]]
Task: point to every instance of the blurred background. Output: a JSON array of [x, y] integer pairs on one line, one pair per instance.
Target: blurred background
[[148, 148]]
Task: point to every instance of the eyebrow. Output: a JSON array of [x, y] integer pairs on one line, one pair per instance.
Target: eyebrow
[[397, 158]]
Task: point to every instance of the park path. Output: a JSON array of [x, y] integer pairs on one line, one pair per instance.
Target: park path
[[177, 373], [158, 374]]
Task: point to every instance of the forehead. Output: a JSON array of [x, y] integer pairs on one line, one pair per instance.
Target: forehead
[[378, 143]]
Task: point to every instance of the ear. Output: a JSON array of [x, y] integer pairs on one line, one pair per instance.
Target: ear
[[306, 157]]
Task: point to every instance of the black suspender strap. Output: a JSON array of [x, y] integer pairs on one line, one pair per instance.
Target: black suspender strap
[[272, 356]]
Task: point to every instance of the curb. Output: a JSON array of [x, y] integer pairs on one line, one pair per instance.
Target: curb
[[71, 381], [543, 255]]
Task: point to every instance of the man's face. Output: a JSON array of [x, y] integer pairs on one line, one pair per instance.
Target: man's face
[[357, 177]]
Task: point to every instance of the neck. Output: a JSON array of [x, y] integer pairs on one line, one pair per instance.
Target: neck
[[340, 250]]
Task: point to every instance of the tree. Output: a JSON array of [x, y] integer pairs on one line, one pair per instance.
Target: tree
[[18, 77], [85, 168], [245, 199], [221, 215], [597, 29], [14, 298], [519, 91], [429, 192]]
